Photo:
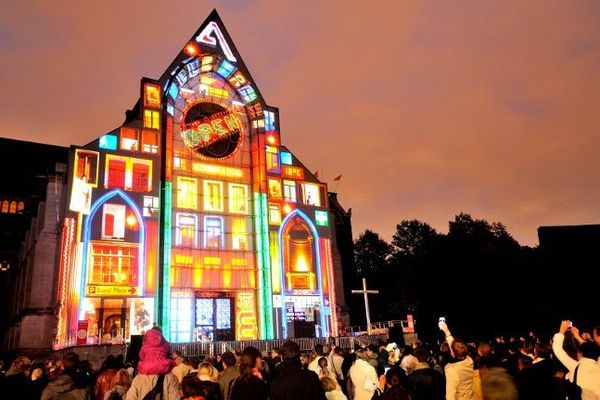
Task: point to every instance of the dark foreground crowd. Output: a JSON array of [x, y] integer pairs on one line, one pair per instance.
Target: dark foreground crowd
[[567, 367]]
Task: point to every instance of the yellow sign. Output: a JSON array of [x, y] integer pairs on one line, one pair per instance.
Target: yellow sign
[[217, 170], [93, 290]]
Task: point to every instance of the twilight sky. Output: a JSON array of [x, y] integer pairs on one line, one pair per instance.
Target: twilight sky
[[427, 109]]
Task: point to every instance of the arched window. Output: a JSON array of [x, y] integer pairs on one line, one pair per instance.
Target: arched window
[[20, 207], [13, 207], [5, 206], [299, 257]]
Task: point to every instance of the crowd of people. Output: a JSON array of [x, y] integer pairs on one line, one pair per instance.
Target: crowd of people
[[565, 367]]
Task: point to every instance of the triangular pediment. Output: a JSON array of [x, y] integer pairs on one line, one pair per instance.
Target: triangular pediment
[[211, 38]]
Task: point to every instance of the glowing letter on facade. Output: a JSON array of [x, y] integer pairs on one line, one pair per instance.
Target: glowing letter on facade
[[206, 38]]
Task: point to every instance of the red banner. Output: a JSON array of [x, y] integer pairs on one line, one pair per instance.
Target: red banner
[[82, 328]]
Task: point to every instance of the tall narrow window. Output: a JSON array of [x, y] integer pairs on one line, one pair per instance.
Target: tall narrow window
[[213, 196], [181, 319], [274, 214], [5, 206], [238, 198], [186, 226], [289, 191], [272, 159], [113, 221], [187, 192], [116, 173], [86, 164], [239, 234], [151, 119], [214, 237], [275, 189], [141, 178]]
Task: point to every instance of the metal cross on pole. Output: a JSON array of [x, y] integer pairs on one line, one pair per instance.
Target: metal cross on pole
[[366, 293]]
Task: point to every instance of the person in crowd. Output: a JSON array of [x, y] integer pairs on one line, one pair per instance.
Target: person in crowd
[[331, 389], [265, 370], [323, 368], [250, 384], [274, 361], [119, 385], [372, 353], [191, 388], [347, 388], [39, 380], [459, 374], [294, 382], [335, 360], [364, 379], [584, 370], [425, 383], [181, 368], [497, 384], [535, 381], [408, 361], [561, 388], [154, 369], [394, 354], [107, 372], [305, 360], [16, 382], [596, 335], [229, 373], [393, 386], [69, 383], [208, 375]]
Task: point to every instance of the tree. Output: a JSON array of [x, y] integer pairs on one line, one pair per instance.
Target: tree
[[413, 238], [371, 253]]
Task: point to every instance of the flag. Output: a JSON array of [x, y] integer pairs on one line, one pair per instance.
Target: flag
[[337, 178], [316, 174]]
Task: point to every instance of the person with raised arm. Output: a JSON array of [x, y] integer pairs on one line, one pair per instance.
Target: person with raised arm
[[584, 372], [459, 373]]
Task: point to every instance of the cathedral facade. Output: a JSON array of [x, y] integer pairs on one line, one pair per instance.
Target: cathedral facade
[[195, 217]]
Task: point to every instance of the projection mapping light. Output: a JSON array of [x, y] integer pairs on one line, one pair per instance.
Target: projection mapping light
[[210, 130]]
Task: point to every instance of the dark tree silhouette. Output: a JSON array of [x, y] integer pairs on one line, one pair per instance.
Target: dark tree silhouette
[[477, 275]]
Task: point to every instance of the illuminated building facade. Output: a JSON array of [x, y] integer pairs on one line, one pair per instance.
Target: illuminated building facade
[[194, 216]]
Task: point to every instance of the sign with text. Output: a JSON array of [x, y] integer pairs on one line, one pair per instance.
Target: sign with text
[[82, 328], [93, 290], [288, 171]]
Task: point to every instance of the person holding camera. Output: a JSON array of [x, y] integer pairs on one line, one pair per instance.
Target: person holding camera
[[459, 373], [584, 371]]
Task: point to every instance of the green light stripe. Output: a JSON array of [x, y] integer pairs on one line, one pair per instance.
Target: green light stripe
[[166, 287]]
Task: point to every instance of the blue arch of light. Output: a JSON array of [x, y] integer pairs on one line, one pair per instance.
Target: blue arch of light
[[86, 243], [296, 212]]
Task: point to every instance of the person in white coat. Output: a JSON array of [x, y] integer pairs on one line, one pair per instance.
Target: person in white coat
[[459, 374], [585, 371], [364, 379]]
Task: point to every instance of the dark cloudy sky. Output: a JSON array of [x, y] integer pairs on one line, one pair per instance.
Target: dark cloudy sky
[[427, 109]]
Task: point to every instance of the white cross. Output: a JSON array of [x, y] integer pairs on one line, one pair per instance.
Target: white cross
[[366, 293]]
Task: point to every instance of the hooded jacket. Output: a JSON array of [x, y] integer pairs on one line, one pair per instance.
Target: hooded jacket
[[154, 355], [154, 361], [64, 388]]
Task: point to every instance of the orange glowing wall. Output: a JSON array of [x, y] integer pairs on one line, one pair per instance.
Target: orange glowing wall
[[228, 270], [151, 256]]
